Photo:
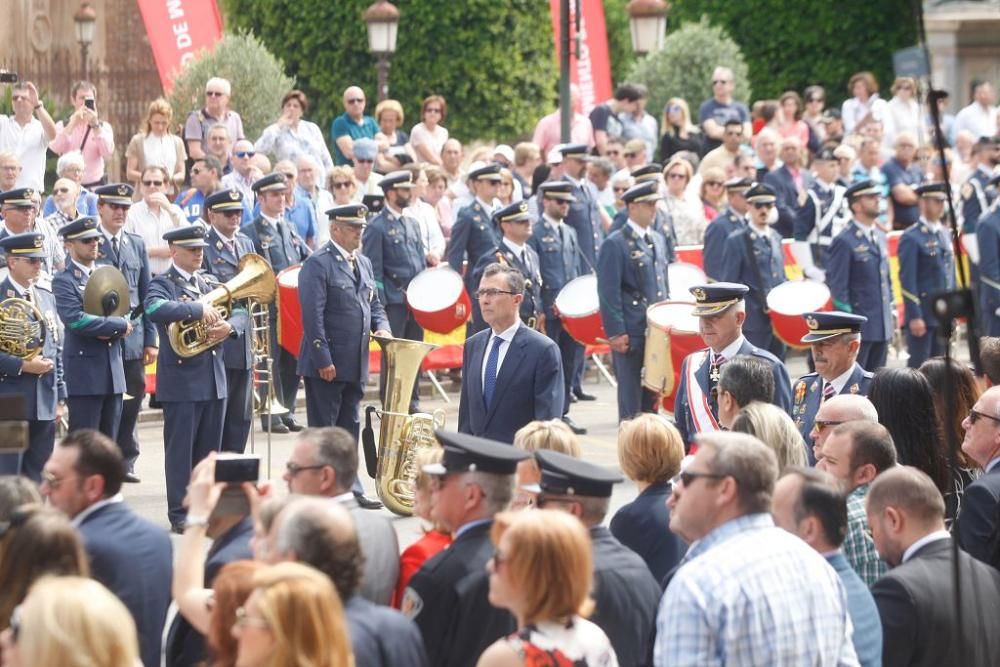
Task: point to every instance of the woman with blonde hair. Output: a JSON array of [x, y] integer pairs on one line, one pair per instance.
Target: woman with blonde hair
[[70, 622], [553, 434], [685, 209], [679, 133], [342, 185], [542, 572], [772, 426], [649, 453], [156, 145], [293, 617], [713, 192]]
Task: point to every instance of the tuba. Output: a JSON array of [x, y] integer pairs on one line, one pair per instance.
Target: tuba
[[401, 435], [254, 281], [22, 329]]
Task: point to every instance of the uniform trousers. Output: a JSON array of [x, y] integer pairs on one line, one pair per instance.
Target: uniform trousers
[[102, 413], [41, 436], [923, 347], [335, 404], [403, 326], [633, 398], [872, 354], [135, 387], [570, 353], [286, 380], [239, 410], [191, 430]]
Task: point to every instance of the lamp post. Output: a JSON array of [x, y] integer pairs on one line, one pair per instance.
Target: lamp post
[[648, 22], [86, 24], [382, 19]]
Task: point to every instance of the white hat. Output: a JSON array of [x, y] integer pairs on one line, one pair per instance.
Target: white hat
[[555, 155], [505, 151]]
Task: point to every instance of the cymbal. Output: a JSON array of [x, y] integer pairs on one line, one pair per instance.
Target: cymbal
[[106, 293]]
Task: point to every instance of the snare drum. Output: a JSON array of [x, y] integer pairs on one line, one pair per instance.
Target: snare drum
[[681, 277], [438, 299], [289, 310], [671, 335], [788, 302], [578, 307]]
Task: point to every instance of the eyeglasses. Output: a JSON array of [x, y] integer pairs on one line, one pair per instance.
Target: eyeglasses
[[356, 100], [294, 469], [974, 416], [762, 205], [243, 154], [821, 425], [48, 478], [686, 478], [676, 176], [432, 110], [60, 191], [214, 93], [490, 293], [151, 183], [341, 185], [243, 619], [364, 161]]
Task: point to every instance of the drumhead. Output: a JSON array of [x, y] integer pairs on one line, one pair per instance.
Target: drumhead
[[289, 277], [674, 314], [433, 290], [578, 297], [681, 277], [798, 297]]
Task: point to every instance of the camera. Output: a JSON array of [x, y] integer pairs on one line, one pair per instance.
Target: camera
[[8, 77], [237, 468], [90, 103]]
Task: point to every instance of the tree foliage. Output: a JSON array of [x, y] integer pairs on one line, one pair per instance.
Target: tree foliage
[[619, 40], [257, 77]]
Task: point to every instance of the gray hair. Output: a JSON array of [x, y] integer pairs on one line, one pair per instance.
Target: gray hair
[[323, 535], [337, 448], [220, 127], [603, 165], [224, 83], [747, 460], [14, 492], [497, 490], [854, 407], [748, 379], [513, 277], [69, 159]]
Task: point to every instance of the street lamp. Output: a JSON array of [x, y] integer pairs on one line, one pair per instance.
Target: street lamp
[[86, 25], [648, 21], [382, 19]]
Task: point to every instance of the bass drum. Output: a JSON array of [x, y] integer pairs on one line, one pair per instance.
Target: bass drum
[[438, 300], [289, 310], [578, 307], [789, 301], [671, 335], [681, 277]]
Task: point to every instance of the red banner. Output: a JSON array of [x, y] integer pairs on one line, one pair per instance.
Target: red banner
[[178, 30], [591, 68]]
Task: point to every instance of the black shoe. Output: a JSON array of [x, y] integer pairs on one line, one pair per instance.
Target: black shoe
[[276, 427], [178, 527], [131, 478], [364, 502], [292, 425], [584, 396], [579, 430], [573, 398]]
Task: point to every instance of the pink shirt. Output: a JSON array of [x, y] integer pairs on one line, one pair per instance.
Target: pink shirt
[[100, 145], [548, 132], [798, 130]]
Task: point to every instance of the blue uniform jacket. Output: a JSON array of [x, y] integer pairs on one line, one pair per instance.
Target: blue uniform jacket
[[783, 183], [976, 198], [988, 238], [41, 392], [472, 236], [223, 265], [808, 395], [926, 265], [715, 241], [557, 249], [92, 350], [133, 261], [682, 411], [631, 277], [858, 278], [281, 250], [823, 215], [529, 385], [396, 252], [338, 315], [531, 306], [203, 376], [738, 267], [584, 217]]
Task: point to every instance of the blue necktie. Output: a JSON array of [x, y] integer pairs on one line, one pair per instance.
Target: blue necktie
[[490, 381]]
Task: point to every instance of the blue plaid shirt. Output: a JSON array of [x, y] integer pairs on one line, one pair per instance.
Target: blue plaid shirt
[[753, 594]]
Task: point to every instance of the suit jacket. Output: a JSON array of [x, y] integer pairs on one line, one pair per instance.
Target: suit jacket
[[380, 547], [383, 637], [858, 277], [529, 385], [715, 240], [926, 266], [977, 520], [783, 183], [807, 396], [42, 393], [763, 261], [916, 605], [133, 261], [626, 597], [557, 249], [449, 600], [338, 314], [643, 526], [203, 376], [133, 558], [282, 247], [631, 277], [471, 236], [396, 252], [223, 265], [531, 306], [92, 350], [861, 607]]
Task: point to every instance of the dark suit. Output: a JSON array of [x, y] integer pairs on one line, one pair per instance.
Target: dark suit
[[977, 520], [715, 241], [529, 385], [926, 266], [133, 558], [41, 393], [643, 526], [916, 604], [383, 637], [237, 352], [92, 357], [754, 258], [783, 184], [448, 599], [626, 597], [807, 397]]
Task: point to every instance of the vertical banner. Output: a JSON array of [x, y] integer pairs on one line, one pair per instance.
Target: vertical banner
[[590, 68], [178, 30]]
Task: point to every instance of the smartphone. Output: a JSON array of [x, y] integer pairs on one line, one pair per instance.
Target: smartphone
[[90, 103], [8, 77], [237, 468]]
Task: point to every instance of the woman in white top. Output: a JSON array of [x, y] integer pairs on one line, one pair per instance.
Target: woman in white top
[[156, 146], [154, 215], [290, 137], [428, 136], [426, 216], [686, 210], [904, 112], [865, 105]]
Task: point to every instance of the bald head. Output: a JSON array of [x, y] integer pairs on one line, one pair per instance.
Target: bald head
[[354, 102], [910, 491], [848, 407], [322, 534]]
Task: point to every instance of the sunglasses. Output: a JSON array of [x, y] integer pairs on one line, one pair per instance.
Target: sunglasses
[[362, 160], [686, 478], [242, 154], [975, 415], [821, 425], [762, 205], [150, 183], [121, 207], [60, 191], [88, 242], [214, 93], [432, 110], [289, 176], [342, 185], [356, 100]]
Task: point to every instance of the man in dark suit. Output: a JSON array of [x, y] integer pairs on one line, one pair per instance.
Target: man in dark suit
[[449, 596], [92, 352], [625, 593], [977, 520], [733, 219], [513, 374], [227, 245], [39, 379], [789, 182], [275, 239], [916, 599], [127, 553], [127, 253], [191, 387]]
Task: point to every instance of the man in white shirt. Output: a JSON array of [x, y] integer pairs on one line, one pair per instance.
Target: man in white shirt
[[153, 216], [26, 135], [980, 117]]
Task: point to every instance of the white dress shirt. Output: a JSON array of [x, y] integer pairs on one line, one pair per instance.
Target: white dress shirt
[[507, 335]]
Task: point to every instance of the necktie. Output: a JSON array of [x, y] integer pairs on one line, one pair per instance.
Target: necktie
[[828, 392], [490, 381], [231, 247], [352, 260], [27, 295], [114, 247]]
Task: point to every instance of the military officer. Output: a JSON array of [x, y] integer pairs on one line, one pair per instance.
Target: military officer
[[978, 194], [834, 339], [92, 349], [473, 235], [393, 244], [754, 257], [17, 214], [663, 224], [823, 215], [557, 248], [631, 277], [926, 266], [721, 311], [127, 253], [988, 237], [583, 216], [626, 595], [192, 389], [275, 239], [448, 597], [857, 274], [38, 379], [733, 219], [340, 307], [227, 245]]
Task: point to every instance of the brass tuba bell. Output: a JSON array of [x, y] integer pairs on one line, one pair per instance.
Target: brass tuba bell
[[22, 329]]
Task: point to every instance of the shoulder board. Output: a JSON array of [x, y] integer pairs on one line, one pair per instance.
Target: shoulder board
[[868, 375], [44, 284], [808, 376]]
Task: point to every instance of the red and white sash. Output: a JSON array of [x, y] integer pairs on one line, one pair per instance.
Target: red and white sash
[[701, 411]]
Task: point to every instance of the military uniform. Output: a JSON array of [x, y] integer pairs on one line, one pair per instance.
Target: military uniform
[[524, 259], [222, 261], [663, 224], [977, 193], [42, 393], [192, 390], [92, 350], [823, 215], [988, 238], [725, 223], [583, 216], [631, 277], [20, 198]]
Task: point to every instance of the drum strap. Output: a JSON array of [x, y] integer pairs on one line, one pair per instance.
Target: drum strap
[[701, 411]]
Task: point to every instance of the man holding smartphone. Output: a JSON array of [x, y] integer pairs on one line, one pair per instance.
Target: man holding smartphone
[[85, 132], [27, 133]]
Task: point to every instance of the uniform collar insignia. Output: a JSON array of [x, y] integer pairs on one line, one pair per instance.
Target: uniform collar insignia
[[855, 388]]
